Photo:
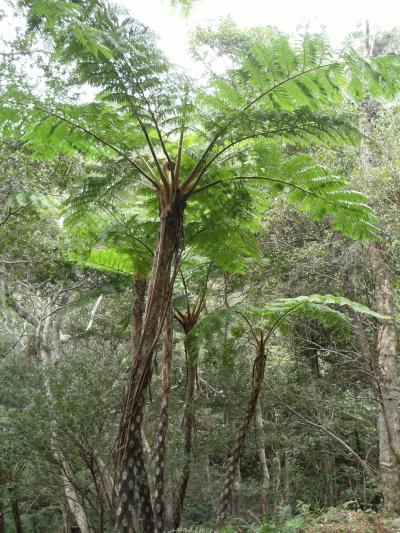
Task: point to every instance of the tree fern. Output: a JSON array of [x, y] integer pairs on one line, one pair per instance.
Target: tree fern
[[280, 89], [324, 309]]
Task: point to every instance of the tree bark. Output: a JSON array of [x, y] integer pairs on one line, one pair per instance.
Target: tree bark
[[187, 429], [161, 445], [383, 358], [16, 516], [234, 458], [131, 449], [386, 365], [2, 522], [265, 478], [388, 423], [132, 465]]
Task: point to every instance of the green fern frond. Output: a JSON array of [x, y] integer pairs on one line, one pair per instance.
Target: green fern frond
[[323, 309], [106, 261]]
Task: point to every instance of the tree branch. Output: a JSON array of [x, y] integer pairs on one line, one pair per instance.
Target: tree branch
[[12, 213], [18, 308], [367, 467]]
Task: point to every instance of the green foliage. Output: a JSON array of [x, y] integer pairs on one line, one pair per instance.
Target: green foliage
[[185, 6], [257, 138], [315, 307], [278, 89], [285, 523]]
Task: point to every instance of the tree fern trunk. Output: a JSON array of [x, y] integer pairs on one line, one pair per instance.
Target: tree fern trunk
[[138, 306], [2, 522], [156, 308], [133, 471], [187, 429], [161, 445], [132, 465], [265, 478], [237, 450], [16, 516]]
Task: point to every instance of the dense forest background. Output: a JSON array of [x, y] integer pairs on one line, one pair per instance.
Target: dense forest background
[[199, 279]]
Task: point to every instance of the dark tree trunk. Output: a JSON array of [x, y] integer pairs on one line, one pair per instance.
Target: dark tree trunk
[[131, 449], [16, 516], [265, 478], [187, 429], [2, 521], [138, 306], [132, 464], [234, 458], [161, 445]]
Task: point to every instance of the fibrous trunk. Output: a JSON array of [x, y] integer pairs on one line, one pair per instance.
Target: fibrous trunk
[[125, 513], [237, 450], [265, 478], [187, 429], [132, 466], [159, 478], [131, 450], [16, 516]]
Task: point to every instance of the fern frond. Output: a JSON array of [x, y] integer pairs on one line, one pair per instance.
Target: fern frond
[[323, 309]]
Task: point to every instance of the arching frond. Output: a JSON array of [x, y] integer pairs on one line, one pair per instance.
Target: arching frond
[[323, 309]]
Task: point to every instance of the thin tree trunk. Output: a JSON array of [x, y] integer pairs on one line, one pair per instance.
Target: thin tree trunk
[[66, 528], [329, 467], [286, 478], [265, 479], [49, 333], [386, 365], [187, 429], [16, 516], [388, 423], [106, 485], [234, 458], [2, 522], [235, 501], [279, 500], [132, 463], [74, 504], [131, 448], [161, 445]]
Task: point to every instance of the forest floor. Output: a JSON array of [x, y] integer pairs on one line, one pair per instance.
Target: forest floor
[[346, 521], [334, 520]]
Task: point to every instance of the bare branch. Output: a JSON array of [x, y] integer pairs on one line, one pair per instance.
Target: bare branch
[[366, 466], [18, 308]]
